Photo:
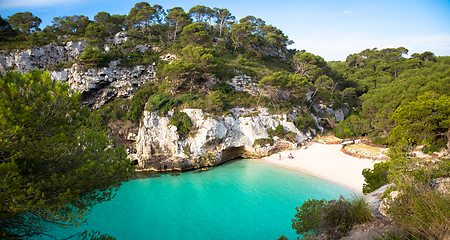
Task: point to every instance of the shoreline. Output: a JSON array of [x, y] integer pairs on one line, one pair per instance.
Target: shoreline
[[326, 162]]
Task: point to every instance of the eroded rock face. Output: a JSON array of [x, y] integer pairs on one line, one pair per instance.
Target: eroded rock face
[[101, 85], [40, 57], [216, 139], [339, 114], [386, 202]]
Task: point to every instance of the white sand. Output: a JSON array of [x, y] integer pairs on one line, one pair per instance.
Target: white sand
[[327, 162]]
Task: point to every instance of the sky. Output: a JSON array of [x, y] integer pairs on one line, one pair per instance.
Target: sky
[[332, 29]]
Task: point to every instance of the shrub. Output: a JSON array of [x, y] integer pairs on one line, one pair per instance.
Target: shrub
[[182, 121], [339, 216], [334, 217], [304, 121], [161, 102], [376, 177], [281, 133], [436, 147], [99, 118], [279, 129], [217, 101], [59, 66], [263, 142], [93, 57], [138, 102], [379, 141], [422, 214], [223, 87], [308, 217]]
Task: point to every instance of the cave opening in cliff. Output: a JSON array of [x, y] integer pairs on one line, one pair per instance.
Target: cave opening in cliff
[[233, 153]]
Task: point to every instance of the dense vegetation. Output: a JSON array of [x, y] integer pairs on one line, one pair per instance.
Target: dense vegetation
[[210, 42], [334, 218], [393, 99], [54, 168]]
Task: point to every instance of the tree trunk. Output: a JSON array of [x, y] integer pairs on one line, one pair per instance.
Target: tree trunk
[[175, 34], [221, 25], [447, 134], [312, 103]]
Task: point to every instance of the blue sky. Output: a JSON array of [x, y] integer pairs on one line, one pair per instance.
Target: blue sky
[[329, 28]]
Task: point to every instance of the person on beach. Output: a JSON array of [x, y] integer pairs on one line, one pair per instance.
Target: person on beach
[[279, 154]]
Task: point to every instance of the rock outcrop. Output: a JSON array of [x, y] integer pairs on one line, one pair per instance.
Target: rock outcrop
[[158, 146], [441, 185], [40, 57], [338, 114], [97, 85], [215, 141], [101, 85]]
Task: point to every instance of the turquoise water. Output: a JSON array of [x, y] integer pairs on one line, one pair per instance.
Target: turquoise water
[[243, 199]]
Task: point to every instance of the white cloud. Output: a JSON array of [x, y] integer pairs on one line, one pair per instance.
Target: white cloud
[[32, 3], [339, 47], [347, 12]]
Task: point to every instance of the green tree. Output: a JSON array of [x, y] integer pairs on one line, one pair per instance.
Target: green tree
[[224, 17], [196, 64], [53, 169], [240, 33], [95, 33], [5, 29], [199, 13], [192, 34], [25, 22], [423, 121], [69, 25], [141, 17], [92, 57], [112, 24], [293, 83], [177, 19]]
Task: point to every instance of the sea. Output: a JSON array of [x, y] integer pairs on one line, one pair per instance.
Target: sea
[[242, 199]]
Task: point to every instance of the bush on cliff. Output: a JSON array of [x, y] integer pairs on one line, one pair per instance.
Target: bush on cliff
[[182, 121], [376, 177], [334, 217]]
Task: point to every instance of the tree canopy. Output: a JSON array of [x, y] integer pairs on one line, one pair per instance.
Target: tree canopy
[[53, 168], [424, 120], [25, 22]]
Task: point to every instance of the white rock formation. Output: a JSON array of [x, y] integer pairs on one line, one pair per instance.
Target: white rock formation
[[101, 85], [40, 57], [216, 139], [243, 83]]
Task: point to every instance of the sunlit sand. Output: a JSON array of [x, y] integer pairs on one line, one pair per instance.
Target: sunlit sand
[[326, 162]]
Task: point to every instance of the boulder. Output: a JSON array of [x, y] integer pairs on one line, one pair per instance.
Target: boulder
[[441, 185], [385, 203]]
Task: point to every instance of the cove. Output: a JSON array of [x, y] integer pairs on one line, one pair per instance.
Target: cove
[[242, 199]]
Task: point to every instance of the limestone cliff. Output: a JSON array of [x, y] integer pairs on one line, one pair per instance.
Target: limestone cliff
[[101, 85], [40, 57], [97, 85], [215, 140], [155, 144]]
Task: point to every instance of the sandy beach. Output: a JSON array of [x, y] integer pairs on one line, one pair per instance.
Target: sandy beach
[[326, 162]]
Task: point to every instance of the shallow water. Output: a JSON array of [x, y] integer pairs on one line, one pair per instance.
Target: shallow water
[[243, 199]]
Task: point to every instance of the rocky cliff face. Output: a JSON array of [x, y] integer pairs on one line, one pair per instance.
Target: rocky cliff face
[[158, 146], [215, 140], [40, 57], [97, 85], [101, 85]]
